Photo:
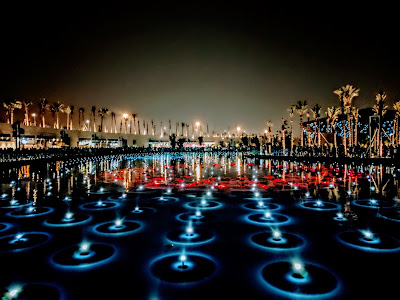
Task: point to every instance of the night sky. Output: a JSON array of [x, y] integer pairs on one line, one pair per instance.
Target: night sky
[[230, 67]]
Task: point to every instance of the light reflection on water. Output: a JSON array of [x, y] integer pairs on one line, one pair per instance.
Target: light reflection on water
[[203, 172]]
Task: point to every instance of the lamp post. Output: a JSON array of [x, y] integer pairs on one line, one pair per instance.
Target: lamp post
[[34, 119]]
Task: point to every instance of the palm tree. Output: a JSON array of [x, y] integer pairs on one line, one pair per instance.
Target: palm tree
[[317, 113], [11, 105], [269, 131], [283, 129], [93, 117], [346, 95], [26, 103], [380, 109], [81, 117], [113, 122], [67, 110], [43, 103], [291, 110], [72, 114], [102, 114], [332, 115], [396, 140], [301, 108], [356, 115], [55, 109]]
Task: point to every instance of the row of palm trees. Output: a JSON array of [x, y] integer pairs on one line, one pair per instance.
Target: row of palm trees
[[345, 112], [128, 124]]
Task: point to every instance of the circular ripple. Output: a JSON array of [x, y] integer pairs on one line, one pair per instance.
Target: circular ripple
[[23, 241], [274, 219], [259, 199], [287, 241], [5, 226], [204, 205], [63, 221], [164, 200], [377, 243], [198, 236], [198, 218], [169, 268], [390, 214], [99, 205], [318, 282], [122, 197], [72, 199], [13, 203], [72, 257], [31, 211], [32, 291], [112, 229], [99, 193], [143, 211], [372, 203], [262, 206], [319, 205]]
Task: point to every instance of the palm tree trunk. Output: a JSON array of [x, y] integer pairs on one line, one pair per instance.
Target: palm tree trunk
[[301, 131], [291, 135], [334, 135], [356, 131], [26, 120]]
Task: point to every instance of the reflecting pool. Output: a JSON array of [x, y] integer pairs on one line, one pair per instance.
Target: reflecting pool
[[199, 225]]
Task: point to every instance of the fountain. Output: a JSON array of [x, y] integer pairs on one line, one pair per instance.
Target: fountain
[[295, 279], [204, 204], [196, 216], [68, 217], [22, 241], [268, 218], [189, 236], [372, 203], [183, 267], [84, 255], [164, 200], [319, 205], [368, 241], [340, 217], [275, 240], [99, 205], [13, 292], [118, 227], [30, 290], [31, 211], [67, 220], [143, 210]]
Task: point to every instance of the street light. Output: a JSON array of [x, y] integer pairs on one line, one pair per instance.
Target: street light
[[34, 119], [238, 131]]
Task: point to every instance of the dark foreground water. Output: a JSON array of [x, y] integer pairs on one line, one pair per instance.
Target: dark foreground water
[[191, 227]]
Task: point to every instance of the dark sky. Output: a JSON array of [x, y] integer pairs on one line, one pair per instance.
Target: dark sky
[[227, 67]]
